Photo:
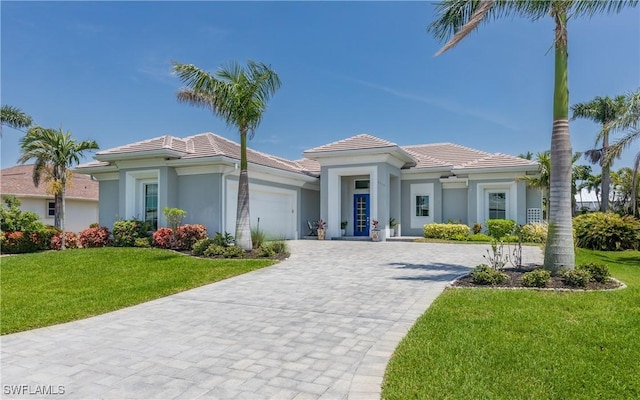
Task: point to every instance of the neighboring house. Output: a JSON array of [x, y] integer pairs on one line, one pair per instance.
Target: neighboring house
[[81, 203], [359, 179]]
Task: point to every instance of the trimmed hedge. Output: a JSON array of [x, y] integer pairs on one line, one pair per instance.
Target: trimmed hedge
[[446, 231], [499, 228]]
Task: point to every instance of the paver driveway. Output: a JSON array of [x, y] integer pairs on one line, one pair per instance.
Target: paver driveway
[[321, 325]]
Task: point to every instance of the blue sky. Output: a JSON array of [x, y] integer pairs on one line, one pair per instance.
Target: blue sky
[[102, 71]]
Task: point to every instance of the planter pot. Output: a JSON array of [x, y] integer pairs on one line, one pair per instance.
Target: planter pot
[[321, 233], [388, 232], [375, 235], [396, 230], [343, 232]]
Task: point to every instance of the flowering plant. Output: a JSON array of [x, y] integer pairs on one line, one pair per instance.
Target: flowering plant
[[375, 224], [322, 224]]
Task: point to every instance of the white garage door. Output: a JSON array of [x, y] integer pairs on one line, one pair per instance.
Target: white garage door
[[276, 208]]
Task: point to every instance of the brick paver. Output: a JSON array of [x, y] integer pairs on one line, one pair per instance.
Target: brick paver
[[320, 325]]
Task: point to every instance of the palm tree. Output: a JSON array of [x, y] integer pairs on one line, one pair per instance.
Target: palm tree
[[54, 152], [541, 181], [603, 110], [14, 118], [592, 182], [457, 18], [630, 120], [239, 95]]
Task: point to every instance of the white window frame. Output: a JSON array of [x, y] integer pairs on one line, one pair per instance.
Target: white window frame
[[134, 194], [482, 200], [506, 202], [421, 189], [49, 209]]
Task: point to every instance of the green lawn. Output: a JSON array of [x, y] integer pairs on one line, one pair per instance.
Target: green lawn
[[52, 287], [504, 344]]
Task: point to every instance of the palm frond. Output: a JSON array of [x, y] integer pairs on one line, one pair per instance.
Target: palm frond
[[14, 117], [589, 8]]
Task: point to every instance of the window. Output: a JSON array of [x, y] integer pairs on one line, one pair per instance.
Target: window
[[497, 205], [151, 204], [51, 208], [422, 206], [362, 184]]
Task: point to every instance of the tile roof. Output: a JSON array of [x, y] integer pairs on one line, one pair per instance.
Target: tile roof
[[461, 157], [18, 182], [206, 145], [358, 142]]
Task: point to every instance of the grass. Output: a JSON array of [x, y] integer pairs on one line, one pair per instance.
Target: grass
[[48, 288], [500, 344]]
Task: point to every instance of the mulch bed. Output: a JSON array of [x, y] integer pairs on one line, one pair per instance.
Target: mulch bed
[[515, 282]]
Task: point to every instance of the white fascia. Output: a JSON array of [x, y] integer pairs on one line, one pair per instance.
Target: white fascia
[[334, 194]]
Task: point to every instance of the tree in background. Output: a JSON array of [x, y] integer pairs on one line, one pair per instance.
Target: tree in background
[[629, 123], [602, 110], [54, 152], [457, 18], [239, 95], [14, 118]]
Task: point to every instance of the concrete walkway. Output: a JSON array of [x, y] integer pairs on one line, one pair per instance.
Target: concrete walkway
[[321, 325]]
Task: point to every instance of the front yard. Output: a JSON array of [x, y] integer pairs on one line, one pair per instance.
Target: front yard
[[52, 287], [506, 344]]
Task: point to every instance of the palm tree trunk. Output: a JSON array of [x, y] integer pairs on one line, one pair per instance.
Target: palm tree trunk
[[243, 226], [57, 206], [559, 251], [606, 173]]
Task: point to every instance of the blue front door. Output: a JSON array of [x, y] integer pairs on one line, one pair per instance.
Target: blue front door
[[361, 215]]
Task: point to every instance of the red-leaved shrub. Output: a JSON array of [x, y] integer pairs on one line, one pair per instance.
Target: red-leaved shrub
[[70, 241], [23, 242], [187, 235], [162, 238], [95, 237]]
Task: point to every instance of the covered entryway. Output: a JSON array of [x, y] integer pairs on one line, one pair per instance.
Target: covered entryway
[[275, 208]]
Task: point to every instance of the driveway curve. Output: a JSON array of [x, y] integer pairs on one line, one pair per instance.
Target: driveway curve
[[320, 325]]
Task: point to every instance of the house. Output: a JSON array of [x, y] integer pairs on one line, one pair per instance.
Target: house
[[359, 179], [81, 204]]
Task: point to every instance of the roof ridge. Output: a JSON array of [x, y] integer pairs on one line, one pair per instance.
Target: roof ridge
[[113, 149], [427, 157]]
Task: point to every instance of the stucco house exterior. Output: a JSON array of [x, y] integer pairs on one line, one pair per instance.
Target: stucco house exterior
[[359, 179], [81, 200]]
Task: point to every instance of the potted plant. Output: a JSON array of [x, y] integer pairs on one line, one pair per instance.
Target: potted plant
[[322, 226], [375, 232], [343, 228], [393, 227]]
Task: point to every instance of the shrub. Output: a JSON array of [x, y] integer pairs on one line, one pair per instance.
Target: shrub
[[499, 228], [188, 235], [511, 238], [225, 239], [460, 237], [607, 231], [12, 219], [142, 242], [214, 250], [94, 225], [201, 245], [445, 231], [480, 237], [258, 237], [71, 241], [485, 275], [163, 238], [233, 252], [598, 272], [126, 232], [17, 243], [477, 228], [536, 278], [95, 237], [576, 277], [534, 233], [272, 249], [174, 216]]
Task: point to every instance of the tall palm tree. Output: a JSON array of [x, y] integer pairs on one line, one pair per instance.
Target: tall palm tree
[[542, 180], [54, 152], [602, 110], [13, 117], [629, 120], [239, 95], [457, 18]]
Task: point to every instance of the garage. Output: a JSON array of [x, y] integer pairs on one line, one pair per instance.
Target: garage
[[275, 207]]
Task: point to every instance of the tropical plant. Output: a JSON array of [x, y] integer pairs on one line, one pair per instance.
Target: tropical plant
[[239, 95], [54, 152], [629, 121], [592, 182], [14, 118], [602, 110], [624, 191], [457, 18]]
